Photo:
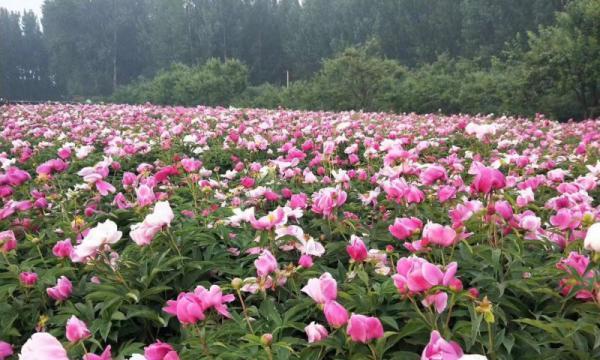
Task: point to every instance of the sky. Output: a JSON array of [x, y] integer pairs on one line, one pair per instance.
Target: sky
[[19, 5]]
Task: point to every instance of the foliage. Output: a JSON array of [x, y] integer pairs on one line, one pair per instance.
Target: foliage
[[214, 83]]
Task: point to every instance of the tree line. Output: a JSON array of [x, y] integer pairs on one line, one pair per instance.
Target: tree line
[[400, 55]]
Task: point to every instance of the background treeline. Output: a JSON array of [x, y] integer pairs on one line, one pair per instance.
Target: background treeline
[[501, 56]]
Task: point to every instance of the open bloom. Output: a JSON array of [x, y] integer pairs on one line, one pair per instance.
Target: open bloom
[[438, 348], [363, 328], [161, 216], [416, 275], [160, 351], [63, 249], [103, 235], [187, 308], [62, 290], [328, 199], [43, 346], [321, 290], [432, 174], [270, 221], [265, 264], [214, 298], [443, 236], [404, 228], [315, 332], [487, 179], [76, 330]]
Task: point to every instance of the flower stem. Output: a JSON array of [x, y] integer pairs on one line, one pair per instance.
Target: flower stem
[[373, 351], [245, 311]]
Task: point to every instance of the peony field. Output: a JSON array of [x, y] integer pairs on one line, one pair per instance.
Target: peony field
[[141, 232]]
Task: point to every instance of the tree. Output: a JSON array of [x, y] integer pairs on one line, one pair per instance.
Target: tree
[[565, 58], [357, 79]]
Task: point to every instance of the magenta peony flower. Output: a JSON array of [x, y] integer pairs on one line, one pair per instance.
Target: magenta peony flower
[[63, 249], [336, 314], [28, 279], [62, 290], [487, 179], [8, 241], [6, 350], [76, 330], [188, 308], [357, 249], [363, 328]]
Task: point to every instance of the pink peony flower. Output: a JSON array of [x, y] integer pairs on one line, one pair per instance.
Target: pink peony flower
[[214, 298], [28, 279], [576, 264], [416, 275], [357, 249], [98, 238], [443, 236], [566, 219], [62, 290], [160, 351], [439, 300], [187, 308], [315, 332], [298, 201], [8, 241], [487, 179], [305, 261], [432, 174], [336, 314], [265, 264], [321, 290], [272, 220], [143, 233], [63, 249], [6, 350], [43, 346], [191, 165], [247, 182], [145, 195], [328, 199], [438, 349], [363, 328], [504, 208], [106, 355], [76, 330], [404, 228]]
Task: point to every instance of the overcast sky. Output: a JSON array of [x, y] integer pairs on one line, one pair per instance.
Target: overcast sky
[[19, 5]]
